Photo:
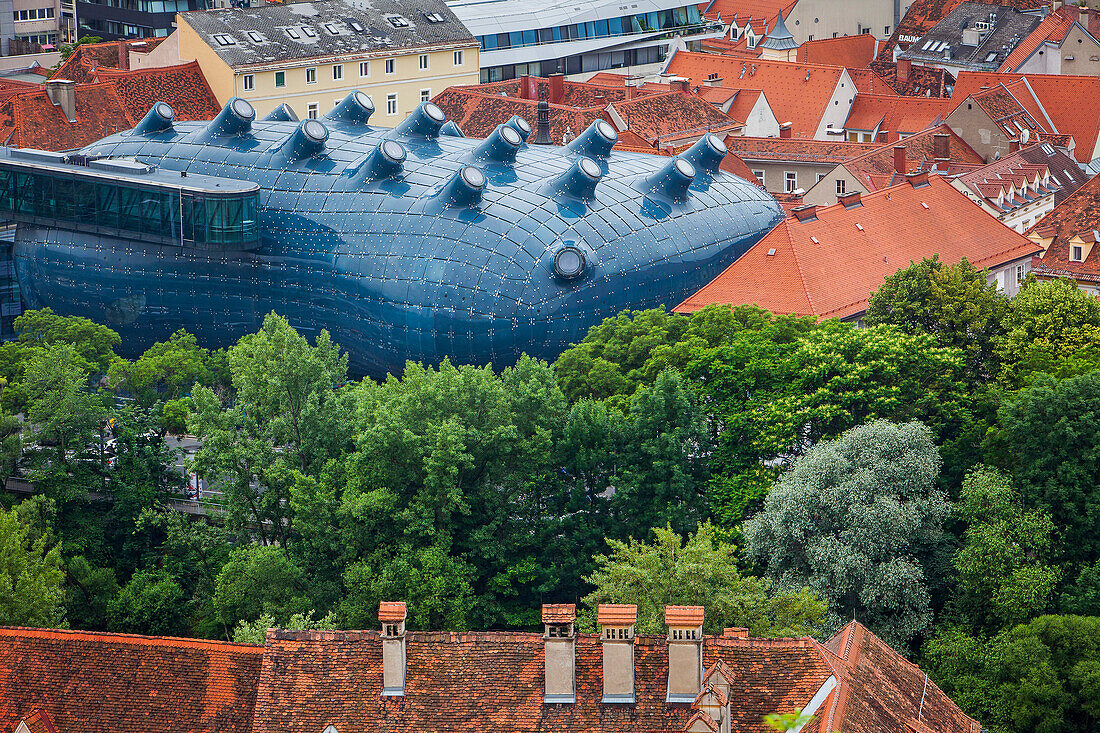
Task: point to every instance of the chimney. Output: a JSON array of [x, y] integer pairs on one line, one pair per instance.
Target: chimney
[[123, 56], [918, 179], [557, 88], [807, 212], [713, 81], [680, 85], [685, 652], [901, 163], [617, 639], [850, 200], [392, 617], [785, 130], [542, 126], [62, 93], [738, 632], [1013, 146], [903, 70], [558, 659], [941, 149], [525, 87]]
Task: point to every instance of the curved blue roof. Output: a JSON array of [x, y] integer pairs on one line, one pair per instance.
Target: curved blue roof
[[404, 243]]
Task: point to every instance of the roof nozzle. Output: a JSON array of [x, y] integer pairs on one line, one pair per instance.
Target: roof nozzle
[[282, 113], [425, 121], [596, 141], [466, 187], [580, 180], [706, 154], [386, 160], [451, 130], [500, 146], [305, 142], [235, 119], [355, 109], [673, 180], [159, 118], [520, 125]]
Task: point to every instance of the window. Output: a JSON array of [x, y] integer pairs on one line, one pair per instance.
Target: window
[[434, 17], [310, 33], [249, 82], [886, 31], [1077, 255], [759, 176], [1019, 274], [312, 110], [810, 37], [391, 66], [337, 72], [425, 95], [311, 75], [398, 22], [34, 14], [840, 187], [752, 41], [790, 181], [391, 630], [391, 104], [293, 33], [557, 631], [423, 61], [460, 58], [364, 69], [224, 40], [280, 78], [255, 37], [820, 177], [355, 26]]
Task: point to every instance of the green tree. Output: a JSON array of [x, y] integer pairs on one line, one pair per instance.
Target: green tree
[[165, 371], [259, 579], [1052, 436], [1004, 571], [855, 519], [66, 49], [152, 602], [255, 632], [954, 303], [30, 572], [698, 571], [91, 594]]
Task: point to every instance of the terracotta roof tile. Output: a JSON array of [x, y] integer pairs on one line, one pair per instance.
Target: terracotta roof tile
[[39, 722], [829, 266], [733, 164], [478, 114], [875, 169], [86, 58], [856, 51], [795, 149], [617, 614], [118, 683], [868, 82], [392, 611], [1077, 215], [11, 87], [797, 93], [183, 87], [1052, 28], [895, 114], [32, 120], [920, 81], [684, 615], [559, 613], [672, 116], [762, 14]]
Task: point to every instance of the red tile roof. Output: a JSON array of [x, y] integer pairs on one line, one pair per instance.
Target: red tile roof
[[760, 13], [86, 58], [684, 615], [392, 611], [1072, 103], [32, 120], [39, 721], [478, 113], [11, 87], [118, 683], [797, 93], [1008, 175], [559, 613], [920, 81], [1053, 28], [1078, 215], [796, 150], [183, 87], [672, 116], [828, 267], [875, 169], [868, 82], [856, 51], [617, 614], [895, 114], [733, 164], [923, 14]]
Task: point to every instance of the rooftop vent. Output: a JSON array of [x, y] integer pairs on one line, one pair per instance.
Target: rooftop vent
[[283, 113], [307, 141], [596, 141], [425, 121], [520, 125], [114, 165], [450, 129], [673, 180], [580, 180], [354, 109], [500, 146], [387, 160], [235, 119], [706, 154], [466, 186], [159, 118]]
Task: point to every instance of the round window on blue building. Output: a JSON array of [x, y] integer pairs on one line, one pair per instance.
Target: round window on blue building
[[569, 262]]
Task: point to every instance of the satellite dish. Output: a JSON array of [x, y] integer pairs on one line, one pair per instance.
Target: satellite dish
[[1025, 135]]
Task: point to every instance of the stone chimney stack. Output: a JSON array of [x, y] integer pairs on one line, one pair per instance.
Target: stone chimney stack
[[617, 639], [901, 163], [559, 662], [392, 616], [62, 93], [123, 55], [557, 88], [685, 652]]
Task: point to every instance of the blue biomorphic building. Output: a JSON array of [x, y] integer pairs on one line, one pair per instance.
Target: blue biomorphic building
[[405, 243]]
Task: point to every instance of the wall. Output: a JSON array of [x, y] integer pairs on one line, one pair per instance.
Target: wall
[[167, 53], [35, 27], [48, 60], [192, 48], [1008, 277], [975, 127], [836, 111], [761, 120], [829, 18], [823, 193], [775, 178]]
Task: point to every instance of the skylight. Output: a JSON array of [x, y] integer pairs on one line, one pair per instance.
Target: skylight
[[256, 37], [435, 17], [991, 56], [309, 31], [224, 40], [292, 33], [398, 22], [356, 27]]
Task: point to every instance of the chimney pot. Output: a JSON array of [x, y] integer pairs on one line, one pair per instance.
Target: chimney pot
[[559, 658], [542, 126], [392, 615], [785, 130], [901, 163], [1013, 146]]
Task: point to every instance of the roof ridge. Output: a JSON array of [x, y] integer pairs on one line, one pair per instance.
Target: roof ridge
[[137, 639], [798, 265]]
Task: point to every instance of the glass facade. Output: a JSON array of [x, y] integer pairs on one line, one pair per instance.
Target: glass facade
[[675, 20], [88, 203]]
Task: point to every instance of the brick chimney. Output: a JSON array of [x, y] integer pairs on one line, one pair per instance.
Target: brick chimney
[[1013, 146], [62, 93], [685, 652], [850, 200], [392, 615], [559, 662], [123, 56], [808, 212], [680, 85], [903, 70], [525, 87], [617, 639], [941, 149], [901, 162], [785, 130], [918, 179], [557, 88]]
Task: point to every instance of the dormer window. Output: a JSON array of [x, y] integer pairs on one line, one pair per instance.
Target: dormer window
[[1077, 254]]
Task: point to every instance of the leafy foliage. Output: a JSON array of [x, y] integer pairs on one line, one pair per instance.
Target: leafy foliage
[[30, 569]]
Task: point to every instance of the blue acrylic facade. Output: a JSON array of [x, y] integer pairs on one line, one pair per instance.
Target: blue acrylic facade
[[404, 243]]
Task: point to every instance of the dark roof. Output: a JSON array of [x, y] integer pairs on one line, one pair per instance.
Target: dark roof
[[796, 150], [477, 114], [875, 169], [331, 23], [1077, 215], [119, 683], [919, 81], [87, 57], [779, 38], [1061, 165], [948, 40], [923, 15]]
